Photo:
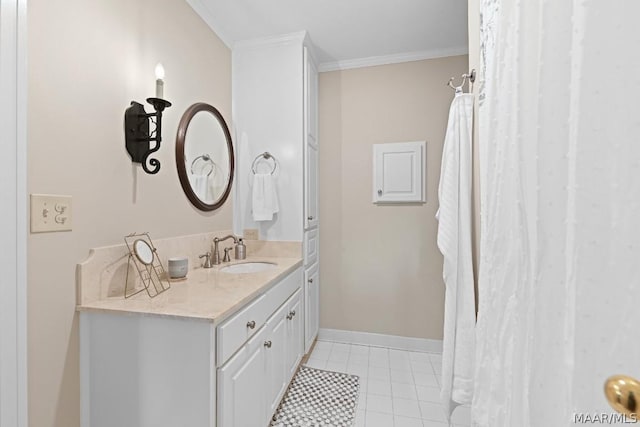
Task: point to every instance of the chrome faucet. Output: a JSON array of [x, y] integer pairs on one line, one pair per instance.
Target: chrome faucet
[[216, 251]]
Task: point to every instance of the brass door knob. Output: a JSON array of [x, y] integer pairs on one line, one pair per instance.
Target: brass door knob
[[623, 393]]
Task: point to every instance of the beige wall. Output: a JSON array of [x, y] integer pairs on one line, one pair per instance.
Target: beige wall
[[380, 269], [87, 61]]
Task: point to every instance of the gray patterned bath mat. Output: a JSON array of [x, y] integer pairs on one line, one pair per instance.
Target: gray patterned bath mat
[[318, 398]]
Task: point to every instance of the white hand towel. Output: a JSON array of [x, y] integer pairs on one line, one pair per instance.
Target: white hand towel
[[200, 186], [264, 198]]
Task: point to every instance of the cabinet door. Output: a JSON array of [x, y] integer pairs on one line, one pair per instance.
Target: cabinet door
[[311, 187], [311, 306], [310, 246], [399, 172], [276, 347], [295, 334], [310, 142], [242, 385], [311, 99]]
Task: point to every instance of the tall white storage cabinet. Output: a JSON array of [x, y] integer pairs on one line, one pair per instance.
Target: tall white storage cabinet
[[275, 99], [311, 232]]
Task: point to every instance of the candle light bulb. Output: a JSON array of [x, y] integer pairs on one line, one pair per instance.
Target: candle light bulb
[[159, 71], [159, 81]]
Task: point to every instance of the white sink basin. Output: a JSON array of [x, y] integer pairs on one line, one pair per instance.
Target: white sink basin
[[248, 267]]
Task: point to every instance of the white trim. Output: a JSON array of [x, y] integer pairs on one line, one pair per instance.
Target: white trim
[[298, 37], [311, 49], [379, 340], [85, 368], [391, 59], [211, 20], [13, 231], [22, 211]]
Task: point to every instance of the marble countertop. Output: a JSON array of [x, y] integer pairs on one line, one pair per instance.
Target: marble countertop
[[206, 294]]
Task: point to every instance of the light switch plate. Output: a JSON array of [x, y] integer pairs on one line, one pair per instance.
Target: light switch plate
[[50, 213], [251, 234]]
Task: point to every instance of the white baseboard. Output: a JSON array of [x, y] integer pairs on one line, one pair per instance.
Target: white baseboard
[[379, 340]]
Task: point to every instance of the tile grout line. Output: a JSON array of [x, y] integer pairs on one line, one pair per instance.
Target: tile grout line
[[415, 388]]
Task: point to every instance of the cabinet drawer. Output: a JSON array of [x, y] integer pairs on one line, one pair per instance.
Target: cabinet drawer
[[277, 295], [311, 242], [235, 331]]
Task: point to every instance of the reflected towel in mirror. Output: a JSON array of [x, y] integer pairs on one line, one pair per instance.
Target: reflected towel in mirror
[[264, 198], [200, 185]]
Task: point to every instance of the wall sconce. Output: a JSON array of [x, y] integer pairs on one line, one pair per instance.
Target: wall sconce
[[138, 138]]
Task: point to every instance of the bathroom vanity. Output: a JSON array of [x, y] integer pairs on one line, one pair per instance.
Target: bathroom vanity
[[217, 349]]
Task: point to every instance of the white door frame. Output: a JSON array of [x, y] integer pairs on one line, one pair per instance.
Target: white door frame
[[13, 214]]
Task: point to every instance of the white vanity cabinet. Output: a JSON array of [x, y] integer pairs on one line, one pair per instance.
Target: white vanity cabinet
[[252, 382], [241, 385], [143, 370]]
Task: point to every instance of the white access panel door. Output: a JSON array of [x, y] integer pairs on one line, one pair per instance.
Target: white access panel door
[[398, 172]]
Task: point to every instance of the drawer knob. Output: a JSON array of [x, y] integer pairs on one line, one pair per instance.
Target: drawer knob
[[291, 314], [251, 324], [310, 218], [267, 344], [310, 280]]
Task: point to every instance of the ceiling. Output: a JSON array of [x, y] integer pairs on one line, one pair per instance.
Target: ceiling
[[347, 33]]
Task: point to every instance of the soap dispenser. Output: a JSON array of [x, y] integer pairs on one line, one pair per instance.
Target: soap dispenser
[[241, 249]]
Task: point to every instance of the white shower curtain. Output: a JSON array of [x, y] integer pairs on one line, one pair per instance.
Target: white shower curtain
[[559, 277]]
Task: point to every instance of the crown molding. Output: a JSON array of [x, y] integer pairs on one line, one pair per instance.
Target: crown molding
[[298, 37], [392, 59]]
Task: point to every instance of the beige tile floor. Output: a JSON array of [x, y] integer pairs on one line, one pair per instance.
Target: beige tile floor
[[397, 388]]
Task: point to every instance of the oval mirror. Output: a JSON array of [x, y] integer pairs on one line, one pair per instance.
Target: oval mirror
[[143, 252], [204, 156]]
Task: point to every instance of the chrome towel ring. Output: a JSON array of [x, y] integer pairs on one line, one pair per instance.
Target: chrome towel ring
[[208, 162], [266, 156]]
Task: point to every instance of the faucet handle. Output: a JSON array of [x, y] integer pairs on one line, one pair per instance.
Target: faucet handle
[[226, 257], [207, 260]]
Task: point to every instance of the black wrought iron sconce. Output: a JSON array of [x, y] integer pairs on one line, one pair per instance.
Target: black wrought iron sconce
[[138, 137]]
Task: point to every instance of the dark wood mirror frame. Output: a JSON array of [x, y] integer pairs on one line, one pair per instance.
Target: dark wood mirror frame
[[180, 159]]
